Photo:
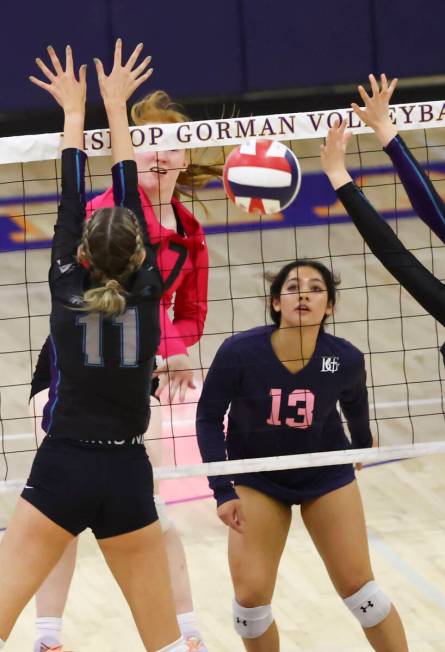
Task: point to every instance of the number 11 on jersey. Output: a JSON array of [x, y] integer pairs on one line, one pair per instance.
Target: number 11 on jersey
[[93, 324]]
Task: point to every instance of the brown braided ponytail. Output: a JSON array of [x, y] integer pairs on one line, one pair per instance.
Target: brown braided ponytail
[[113, 249]]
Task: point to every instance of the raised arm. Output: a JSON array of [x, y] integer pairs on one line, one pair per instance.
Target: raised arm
[[378, 235], [70, 94], [424, 198], [115, 89]]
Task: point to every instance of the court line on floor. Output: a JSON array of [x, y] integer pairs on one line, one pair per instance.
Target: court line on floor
[[423, 585]]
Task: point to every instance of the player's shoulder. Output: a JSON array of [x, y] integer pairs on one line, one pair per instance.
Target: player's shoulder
[[338, 346], [67, 270], [247, 340]]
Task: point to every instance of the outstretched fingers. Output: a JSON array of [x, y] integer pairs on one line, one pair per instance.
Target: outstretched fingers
[[375, 113], [358, 111], [41, 84], [118, 53], [123, 80], [83, 74], [44, 68], [139, 74], [134, 56], [142, 67], [140, 80], [100, 72], [388, 90], [374, 86], [54, 60], [62, 83], [337, 133], [364, 95], [69, 66]]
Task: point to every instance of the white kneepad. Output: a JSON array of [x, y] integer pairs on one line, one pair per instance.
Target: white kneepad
[[369, 605], [164, 520], [251, 622]]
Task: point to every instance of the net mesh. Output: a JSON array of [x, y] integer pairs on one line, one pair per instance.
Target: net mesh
[[400, 341]]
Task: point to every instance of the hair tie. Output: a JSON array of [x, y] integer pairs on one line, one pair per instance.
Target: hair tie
[[112, 284]]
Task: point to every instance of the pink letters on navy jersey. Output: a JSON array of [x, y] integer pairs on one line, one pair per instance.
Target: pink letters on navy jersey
[[300, 417]]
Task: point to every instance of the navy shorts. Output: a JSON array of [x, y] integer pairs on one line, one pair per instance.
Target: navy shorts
[[106, 487], [296, 486]]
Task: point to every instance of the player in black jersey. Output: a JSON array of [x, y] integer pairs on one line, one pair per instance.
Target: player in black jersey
[[428, 290], [280, 385], [92, 469]]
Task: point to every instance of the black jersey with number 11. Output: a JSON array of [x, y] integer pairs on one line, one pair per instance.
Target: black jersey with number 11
[[100, 366]]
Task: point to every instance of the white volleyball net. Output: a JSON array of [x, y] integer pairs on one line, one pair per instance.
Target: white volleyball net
[[400, 341]]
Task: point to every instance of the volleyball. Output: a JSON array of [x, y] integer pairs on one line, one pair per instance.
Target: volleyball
[[262, 176]]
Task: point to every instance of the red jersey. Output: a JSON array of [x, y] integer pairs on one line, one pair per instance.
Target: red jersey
[[184, 264]]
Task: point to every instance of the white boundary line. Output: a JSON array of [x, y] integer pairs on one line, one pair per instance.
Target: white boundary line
[[212, 133]]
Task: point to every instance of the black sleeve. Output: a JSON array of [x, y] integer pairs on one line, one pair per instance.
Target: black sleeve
[[126, 193], [41, 378], [422, 194], [71, 213], [385, 245]]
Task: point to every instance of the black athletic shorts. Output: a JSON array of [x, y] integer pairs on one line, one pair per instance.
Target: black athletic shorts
[[308, 483], [106, 487]]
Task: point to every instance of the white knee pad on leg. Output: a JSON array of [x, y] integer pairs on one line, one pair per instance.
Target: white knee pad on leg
[[162, 513], [369, 605], [251, 622], [178, 646]]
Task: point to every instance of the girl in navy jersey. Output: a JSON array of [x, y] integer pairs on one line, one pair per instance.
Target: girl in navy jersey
[[104, 335], [182, 258], [282, 384], [428, 290]]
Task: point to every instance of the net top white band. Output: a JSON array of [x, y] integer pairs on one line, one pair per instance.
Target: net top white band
[[326, 458], [211, 133], [302, 461]]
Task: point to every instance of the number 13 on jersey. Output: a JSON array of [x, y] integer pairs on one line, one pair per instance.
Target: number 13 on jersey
[[302, 400]]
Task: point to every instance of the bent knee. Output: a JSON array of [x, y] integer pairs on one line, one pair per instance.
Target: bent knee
[[370, 605], [251, 598], [251, 622], [352, 583], [252, 592]]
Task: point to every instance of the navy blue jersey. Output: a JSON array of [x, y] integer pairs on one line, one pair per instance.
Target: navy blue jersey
[[276, 412], [101, 367]]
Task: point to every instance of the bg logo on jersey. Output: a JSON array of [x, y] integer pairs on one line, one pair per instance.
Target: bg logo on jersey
[[330, 364]]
